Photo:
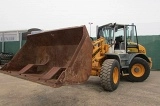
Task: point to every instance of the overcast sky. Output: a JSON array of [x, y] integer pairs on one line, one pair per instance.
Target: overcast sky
[[54, 14]]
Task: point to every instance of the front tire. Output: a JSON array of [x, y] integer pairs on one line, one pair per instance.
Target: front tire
[[110, 75], [139, 70]]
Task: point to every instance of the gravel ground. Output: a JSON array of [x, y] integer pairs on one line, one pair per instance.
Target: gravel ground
[[19, 92]]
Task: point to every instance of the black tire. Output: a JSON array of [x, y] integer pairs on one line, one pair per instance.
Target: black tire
[[106, 75], [139, 70], [6, 56], [4, 62]]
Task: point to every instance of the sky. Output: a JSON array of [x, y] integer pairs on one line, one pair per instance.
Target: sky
[[55, 14]]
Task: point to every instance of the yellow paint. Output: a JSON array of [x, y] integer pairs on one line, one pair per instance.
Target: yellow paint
[[115, 75], [141, 48], [99, 49], [138, 70]]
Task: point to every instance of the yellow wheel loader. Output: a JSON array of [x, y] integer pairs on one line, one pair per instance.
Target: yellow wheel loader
[[116, 53], [69, 56]]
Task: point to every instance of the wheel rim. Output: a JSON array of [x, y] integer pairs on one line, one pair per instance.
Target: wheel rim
[[138, 70], [115, 75]]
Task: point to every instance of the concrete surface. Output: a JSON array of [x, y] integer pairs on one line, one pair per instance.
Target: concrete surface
[[19, 92]]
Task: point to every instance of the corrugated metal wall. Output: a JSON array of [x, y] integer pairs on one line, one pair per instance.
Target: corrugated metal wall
[[11, 41], [152, 45], [11, 47]]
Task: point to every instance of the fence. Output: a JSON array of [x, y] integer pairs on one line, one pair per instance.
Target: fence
[[152, 45]]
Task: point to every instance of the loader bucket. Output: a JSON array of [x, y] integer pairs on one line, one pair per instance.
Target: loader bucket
[[54, 58]]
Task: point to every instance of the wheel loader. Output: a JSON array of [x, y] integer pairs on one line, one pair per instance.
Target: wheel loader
[[116, 53], [68, 56]]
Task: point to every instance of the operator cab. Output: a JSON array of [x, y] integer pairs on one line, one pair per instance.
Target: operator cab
[[121, 38]]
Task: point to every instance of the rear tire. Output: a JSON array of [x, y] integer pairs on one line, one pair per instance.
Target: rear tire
[[110, 75], [139, 70]]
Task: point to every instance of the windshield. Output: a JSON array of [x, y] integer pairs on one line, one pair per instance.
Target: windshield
[[131, 33], [107, 33], [120, 37], [131, 38]]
